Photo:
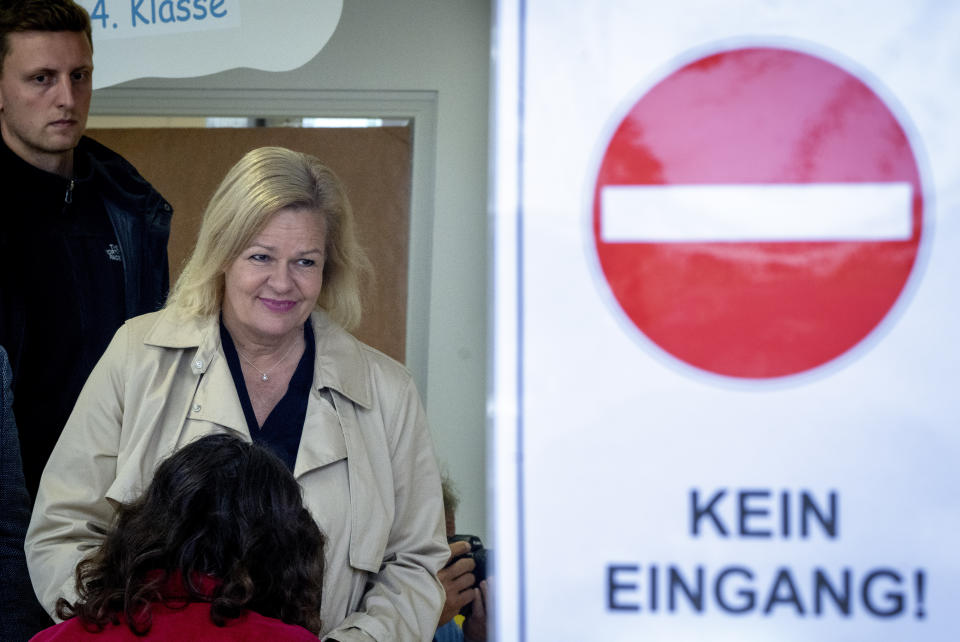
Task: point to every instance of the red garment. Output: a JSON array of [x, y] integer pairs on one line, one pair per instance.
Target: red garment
[[189, 624]]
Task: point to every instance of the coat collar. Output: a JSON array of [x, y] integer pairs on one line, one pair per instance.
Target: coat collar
[[340, 364]]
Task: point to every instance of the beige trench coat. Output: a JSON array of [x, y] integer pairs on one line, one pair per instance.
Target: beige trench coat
[[366, 464]]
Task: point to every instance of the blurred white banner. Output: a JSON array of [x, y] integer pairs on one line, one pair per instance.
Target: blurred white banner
[[727, 249]]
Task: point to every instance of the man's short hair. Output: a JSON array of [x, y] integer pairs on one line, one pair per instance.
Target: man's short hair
[[451, 498], [41, 15]]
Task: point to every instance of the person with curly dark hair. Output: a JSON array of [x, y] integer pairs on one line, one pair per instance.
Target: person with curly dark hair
[[219, 547]]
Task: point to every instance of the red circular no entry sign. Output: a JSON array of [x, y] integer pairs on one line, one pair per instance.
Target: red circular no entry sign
[[758, 212]]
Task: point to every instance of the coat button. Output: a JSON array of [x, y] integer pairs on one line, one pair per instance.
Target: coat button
[[198, 364], [196, 407]]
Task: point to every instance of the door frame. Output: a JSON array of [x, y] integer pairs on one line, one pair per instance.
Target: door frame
[[419, 107]]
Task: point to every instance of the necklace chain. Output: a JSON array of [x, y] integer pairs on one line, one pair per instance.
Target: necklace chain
[[264, 373]]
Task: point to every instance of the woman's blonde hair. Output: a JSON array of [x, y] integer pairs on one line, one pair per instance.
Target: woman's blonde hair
[[263, 182]]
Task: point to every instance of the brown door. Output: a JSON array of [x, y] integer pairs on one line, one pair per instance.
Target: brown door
[[186, 165]]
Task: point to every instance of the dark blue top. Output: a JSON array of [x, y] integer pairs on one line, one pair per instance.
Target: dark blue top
[[283, 427]]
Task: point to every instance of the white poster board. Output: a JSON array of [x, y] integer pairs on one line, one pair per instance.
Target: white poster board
[[727, 248], [186, 38]]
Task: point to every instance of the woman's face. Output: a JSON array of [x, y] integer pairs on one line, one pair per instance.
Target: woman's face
[[271, 288]]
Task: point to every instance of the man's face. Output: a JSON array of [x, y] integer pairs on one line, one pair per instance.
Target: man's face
[[45, 89]]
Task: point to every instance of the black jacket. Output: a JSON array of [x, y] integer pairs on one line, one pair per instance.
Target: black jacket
[[30, 201]]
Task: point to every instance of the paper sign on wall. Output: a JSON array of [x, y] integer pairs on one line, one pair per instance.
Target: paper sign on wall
[[184, 38]]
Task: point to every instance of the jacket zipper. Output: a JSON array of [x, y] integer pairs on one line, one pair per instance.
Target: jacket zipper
[[68, 197]]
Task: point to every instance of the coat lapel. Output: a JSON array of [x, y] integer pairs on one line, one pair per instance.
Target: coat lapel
[[341, 389]]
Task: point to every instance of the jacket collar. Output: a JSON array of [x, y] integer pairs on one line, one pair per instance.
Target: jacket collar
[[339, 365], [37, 189]]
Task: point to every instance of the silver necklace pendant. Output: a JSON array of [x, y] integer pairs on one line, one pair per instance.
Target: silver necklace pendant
[[263, 373]]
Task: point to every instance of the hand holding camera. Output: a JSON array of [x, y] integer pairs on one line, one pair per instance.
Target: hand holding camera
[[458, 580], [476, 552]]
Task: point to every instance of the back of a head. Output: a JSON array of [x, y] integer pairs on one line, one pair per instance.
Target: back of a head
[[211, 494], [229, 510], [41, 15]]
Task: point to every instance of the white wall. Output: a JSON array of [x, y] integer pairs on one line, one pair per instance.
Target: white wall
[[437, 46]]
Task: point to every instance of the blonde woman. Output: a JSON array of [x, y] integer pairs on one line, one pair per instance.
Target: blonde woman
[[253, 342]]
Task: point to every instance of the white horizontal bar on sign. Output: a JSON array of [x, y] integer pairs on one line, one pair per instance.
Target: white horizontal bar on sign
[[760, 212]]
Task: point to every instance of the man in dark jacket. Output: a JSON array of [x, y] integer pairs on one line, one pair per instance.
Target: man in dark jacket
[[82, 235]]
